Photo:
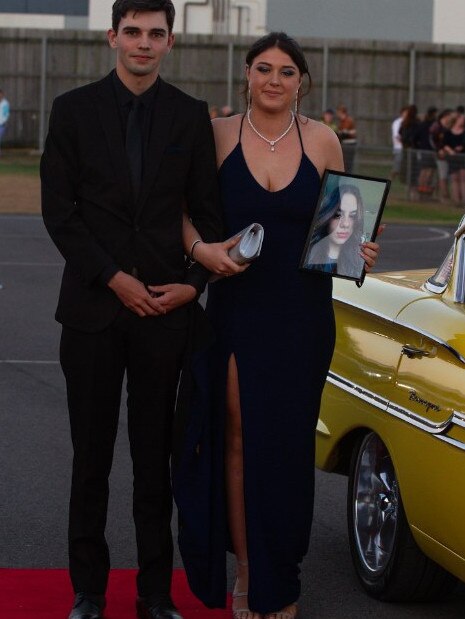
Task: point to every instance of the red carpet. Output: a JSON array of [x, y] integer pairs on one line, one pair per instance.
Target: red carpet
[[47, 594]]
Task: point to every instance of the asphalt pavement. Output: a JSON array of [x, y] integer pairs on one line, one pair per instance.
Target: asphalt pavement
[[35, 448]]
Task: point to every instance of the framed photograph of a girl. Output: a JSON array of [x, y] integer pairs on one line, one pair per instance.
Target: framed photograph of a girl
[[348, 214]]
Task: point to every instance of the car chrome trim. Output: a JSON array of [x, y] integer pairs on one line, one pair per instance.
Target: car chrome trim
[[407, 325], [419, 421], [434, 338], [435, 287], [452, 441], [360, 392], [435, 429], [459, 419], [461, 229]]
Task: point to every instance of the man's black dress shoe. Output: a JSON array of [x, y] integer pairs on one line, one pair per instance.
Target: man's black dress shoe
[[87, 606], [157, 606]]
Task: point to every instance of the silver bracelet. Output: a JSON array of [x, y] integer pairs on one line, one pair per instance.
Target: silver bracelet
[[191, 253]]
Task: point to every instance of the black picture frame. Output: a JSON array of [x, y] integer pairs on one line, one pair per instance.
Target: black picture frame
[[356, 202]]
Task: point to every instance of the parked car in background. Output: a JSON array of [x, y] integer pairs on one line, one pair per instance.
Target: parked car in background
[[393, 420]]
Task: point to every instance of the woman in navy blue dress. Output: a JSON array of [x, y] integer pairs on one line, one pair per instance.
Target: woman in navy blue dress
[[245, 480]]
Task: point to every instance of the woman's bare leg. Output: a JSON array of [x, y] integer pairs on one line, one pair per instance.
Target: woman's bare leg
[[235, 489]]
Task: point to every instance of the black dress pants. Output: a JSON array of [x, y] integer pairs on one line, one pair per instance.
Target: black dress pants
[[94, 364]]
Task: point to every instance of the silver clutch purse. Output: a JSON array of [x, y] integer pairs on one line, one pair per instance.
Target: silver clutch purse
[[250, 245]]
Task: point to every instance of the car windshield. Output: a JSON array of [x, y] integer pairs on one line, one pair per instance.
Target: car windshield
[[441, 278], [459, 296], [439, 281]]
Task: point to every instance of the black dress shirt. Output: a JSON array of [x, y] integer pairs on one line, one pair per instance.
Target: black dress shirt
[[124, 98]]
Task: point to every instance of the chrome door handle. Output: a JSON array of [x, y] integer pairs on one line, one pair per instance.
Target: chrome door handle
[[411, 352]]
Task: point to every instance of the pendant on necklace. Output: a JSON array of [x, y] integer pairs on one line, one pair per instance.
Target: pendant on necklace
[[272, 143]]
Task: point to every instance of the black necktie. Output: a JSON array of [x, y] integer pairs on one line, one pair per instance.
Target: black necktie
[[134, 145]]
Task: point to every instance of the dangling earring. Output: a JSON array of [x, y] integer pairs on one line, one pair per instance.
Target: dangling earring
[[296, 107], [249, 100]]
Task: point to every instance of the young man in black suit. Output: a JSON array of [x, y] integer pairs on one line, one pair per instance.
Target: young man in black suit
[[123, 157]]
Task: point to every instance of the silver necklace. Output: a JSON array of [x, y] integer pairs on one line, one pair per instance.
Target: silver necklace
[[272, 143]]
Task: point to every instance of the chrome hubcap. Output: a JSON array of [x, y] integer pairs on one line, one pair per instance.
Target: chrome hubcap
[[375, 504]]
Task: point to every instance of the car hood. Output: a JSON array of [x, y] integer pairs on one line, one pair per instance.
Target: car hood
[[407, 279], [385, 294]]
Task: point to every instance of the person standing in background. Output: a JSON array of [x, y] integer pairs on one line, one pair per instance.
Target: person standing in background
[[427, 157], [408, 134], [329, 120], [227, 111], [347, 135], [214, 112], [437, 135], [4, 115], [397, 143], [454, 147]]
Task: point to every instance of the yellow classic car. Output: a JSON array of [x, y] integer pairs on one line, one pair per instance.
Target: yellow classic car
[[393, 420]]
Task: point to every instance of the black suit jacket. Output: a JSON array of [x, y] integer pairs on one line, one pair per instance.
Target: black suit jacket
[[88, 207]]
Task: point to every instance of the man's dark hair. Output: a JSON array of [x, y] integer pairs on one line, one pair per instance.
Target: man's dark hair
[[121, 8]]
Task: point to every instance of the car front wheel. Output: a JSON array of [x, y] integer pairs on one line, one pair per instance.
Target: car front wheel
[[388, 562]]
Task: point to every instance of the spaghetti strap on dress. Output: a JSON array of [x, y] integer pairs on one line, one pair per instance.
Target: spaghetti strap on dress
[[278, 322]]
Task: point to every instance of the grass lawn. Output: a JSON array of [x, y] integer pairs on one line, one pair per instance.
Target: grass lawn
[[399, 211], [20, 191], [19, 162], [19, 182]]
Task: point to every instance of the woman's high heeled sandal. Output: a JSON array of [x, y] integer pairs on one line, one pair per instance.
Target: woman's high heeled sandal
[[283, 614], [237, 613]]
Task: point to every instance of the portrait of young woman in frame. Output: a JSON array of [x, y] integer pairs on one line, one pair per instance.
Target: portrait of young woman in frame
[[348, 214]]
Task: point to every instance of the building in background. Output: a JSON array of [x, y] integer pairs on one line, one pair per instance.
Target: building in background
[[235, 17], [49, 14], [430, 21]]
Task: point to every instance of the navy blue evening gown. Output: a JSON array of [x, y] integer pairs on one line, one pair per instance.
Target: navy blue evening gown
[[278, 322]]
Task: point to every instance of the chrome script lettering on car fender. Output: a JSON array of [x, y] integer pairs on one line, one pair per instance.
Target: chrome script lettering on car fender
[[429, 405]]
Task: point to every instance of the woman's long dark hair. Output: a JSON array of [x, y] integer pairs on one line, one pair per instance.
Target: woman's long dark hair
[[289, 46], [349, 254]]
